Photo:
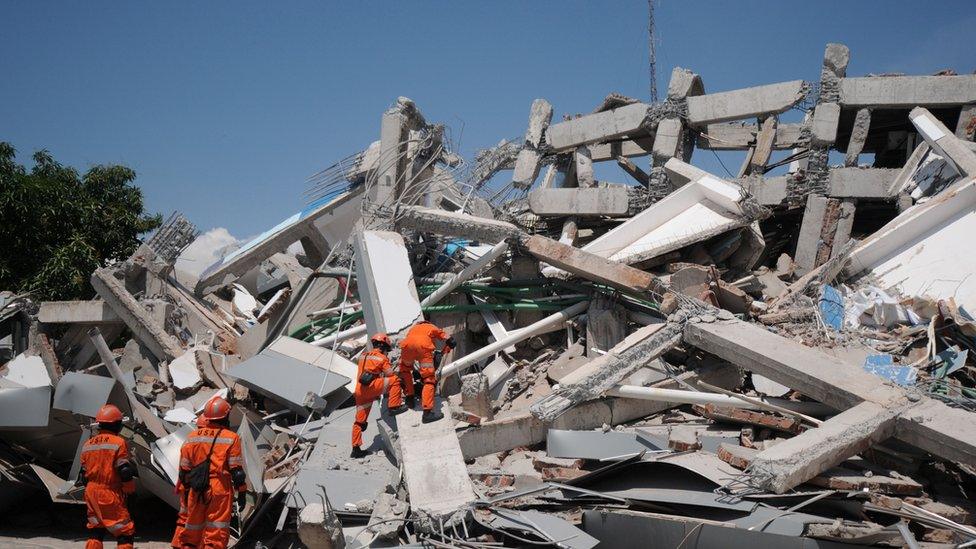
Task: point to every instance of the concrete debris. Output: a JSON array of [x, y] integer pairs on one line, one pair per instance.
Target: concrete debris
[[781, 358]]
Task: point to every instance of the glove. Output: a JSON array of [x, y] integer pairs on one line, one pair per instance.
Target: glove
[[367, 378], [241, 499], [438, 355]]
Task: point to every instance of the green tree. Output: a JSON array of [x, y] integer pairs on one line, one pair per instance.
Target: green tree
[[56, 227]]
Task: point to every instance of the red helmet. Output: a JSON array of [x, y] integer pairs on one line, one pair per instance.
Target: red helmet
[[381, 337], [216, 409], [109, 414]]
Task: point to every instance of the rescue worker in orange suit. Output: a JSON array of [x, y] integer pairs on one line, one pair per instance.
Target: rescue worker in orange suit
[[181, 516], [375, 376], [420, 346], [107, 475], [215, 451]]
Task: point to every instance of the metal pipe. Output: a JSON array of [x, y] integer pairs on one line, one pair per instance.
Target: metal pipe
[[678, 396], [355, 331], [542, 326], [471, 270]]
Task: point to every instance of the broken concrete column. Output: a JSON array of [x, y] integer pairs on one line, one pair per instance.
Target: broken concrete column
[[826, 227], [823, 124], [606, 325], [583, 165], [859, 133], [744, 103], [476, 396], [580, 202], [540, 115], [796, 460], [135, 316], [764, 147], [667, 140], [966, 126], [393, 136], [319, 527], [455, 224], [526, 168]]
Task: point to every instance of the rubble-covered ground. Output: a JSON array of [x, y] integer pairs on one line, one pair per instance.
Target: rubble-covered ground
[[678, 360]]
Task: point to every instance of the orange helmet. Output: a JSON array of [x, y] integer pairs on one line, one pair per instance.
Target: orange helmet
[[381, 337], [216, 409], [109, 414]]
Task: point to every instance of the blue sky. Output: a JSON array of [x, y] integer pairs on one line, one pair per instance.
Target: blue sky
[[224, 109]]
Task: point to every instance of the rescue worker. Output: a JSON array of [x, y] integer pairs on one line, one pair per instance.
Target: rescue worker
[[375, 376], [420, 346], [211, 470], [107, 475], [181, 515]]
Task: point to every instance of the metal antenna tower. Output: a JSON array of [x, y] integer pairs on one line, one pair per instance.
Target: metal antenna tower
[[652, 56]]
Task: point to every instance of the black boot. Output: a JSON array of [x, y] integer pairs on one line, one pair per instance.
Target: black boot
[[398, 410], [431, 415], [358, 452], [411, 401]]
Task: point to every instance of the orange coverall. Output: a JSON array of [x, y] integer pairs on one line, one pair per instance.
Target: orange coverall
[[181, 516], [419, 346], [385, 381], [208, 515], [105, 492]]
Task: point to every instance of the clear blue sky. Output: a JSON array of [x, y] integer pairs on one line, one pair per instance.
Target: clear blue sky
[[223, 109]]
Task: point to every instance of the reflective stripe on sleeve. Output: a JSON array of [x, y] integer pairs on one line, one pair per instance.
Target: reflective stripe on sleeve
[[106, 446]]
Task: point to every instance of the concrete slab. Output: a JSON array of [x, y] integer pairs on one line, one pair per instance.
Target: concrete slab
[[385, 280]]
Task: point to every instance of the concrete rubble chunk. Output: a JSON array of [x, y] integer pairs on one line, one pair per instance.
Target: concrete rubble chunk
[[950, 147], [456, 224], [135, 316]]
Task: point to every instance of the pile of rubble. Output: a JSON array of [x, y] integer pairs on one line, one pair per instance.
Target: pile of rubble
[[702, 361]]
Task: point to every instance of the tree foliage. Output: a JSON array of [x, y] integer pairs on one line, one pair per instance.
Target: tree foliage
[[56, 226]]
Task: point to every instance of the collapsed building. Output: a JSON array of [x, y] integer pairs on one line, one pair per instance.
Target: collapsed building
[[700, 360]]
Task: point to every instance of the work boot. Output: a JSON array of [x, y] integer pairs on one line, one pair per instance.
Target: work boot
[[358, 452], [411, 401], [398, 410], [431, 415]]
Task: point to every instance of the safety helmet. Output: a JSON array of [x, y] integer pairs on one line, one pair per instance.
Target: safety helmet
[[216, 409], [109, 414], [381, 337]]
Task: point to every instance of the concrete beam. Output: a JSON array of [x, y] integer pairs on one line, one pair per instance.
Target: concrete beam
[[667, 140], [908, 91], [627, 120], [77, 312], [764, 146], [947, 432], [632, 170], [527, 165], [162, 345], [944, 142], [455, 224], [582, 202], [739, 137], [861, 182], [540, 115], [591, 266], [745, 103], [799, 459]]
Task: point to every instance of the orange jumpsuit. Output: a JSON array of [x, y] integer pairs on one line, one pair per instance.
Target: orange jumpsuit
[[419, 346], [181, 516], [208, 517], [105, 492], [385, 381]]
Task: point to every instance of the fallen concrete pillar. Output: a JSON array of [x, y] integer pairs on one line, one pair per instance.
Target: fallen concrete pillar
[[580, 202], [527, 165], [433, 466], [542, 326], [540, 115], [944, 142], [590, 266], [385, 281], [764, 146], [745, 103], [908, 91], [628, 120], [162, 345], [826, 227], [77, 312], [667, 140], [455, 224], [791, 462], [603, 373], [859, 134]]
